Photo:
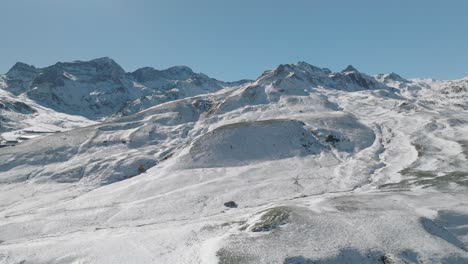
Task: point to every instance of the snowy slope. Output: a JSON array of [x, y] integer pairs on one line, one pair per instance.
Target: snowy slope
[[323, 167], [13, 111], [22, 118]]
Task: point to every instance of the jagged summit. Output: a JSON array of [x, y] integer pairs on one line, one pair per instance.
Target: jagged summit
[[297, 69], [22, 71], [305, 74], [102, 61], [180, 73], [302, 66], [350, 68], [144, 74], [100, 66], [21, 65]]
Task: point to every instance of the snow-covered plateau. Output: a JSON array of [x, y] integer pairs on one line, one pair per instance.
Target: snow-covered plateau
[[302, 165]]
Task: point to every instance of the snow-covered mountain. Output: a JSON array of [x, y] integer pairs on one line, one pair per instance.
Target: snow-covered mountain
[[75, 94], [93, 89], [302, 165], [172, 84], [100, 88]]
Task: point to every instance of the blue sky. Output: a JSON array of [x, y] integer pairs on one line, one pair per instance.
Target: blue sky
[[235, 39]]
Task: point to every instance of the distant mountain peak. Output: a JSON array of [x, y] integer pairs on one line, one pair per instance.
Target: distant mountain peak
[[175, 73], [311, 68], [396, 77], [391, 77], [102, 67], [104, 60], [22, 71], [178, 73], [350, 68], [301, 68], [180, 68], [21, 65]]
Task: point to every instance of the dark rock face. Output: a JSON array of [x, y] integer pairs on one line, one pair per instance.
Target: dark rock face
[[19, 78], [387, 259], [359, 80], [22, 71], [230, 204], [176, 73], [52, 76], [350, 68], [145, 74], [395, 77], [18, 107], [356, 79]]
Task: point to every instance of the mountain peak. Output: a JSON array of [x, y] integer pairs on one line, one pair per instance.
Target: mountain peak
[[104, 66], [180, 68], [396, 77], [175, 73], [391, 77], [350, 68], [101, 61], [178, 73], [300, 68], [22, 71], [104, 60], [20, 64]]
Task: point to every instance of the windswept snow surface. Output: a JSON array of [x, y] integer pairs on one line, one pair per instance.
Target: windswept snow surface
[[324, 167]]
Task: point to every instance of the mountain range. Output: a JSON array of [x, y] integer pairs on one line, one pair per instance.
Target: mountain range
[[302, 165]]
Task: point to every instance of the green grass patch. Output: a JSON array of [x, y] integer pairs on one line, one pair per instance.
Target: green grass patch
[[272, 219], [418, 173], [227, 257], [428, 179], [464, 145]]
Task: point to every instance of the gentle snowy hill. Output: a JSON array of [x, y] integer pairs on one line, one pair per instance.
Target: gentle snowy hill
[[303, 165]]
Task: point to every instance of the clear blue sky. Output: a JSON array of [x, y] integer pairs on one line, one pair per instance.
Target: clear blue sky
[[235, 39]]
